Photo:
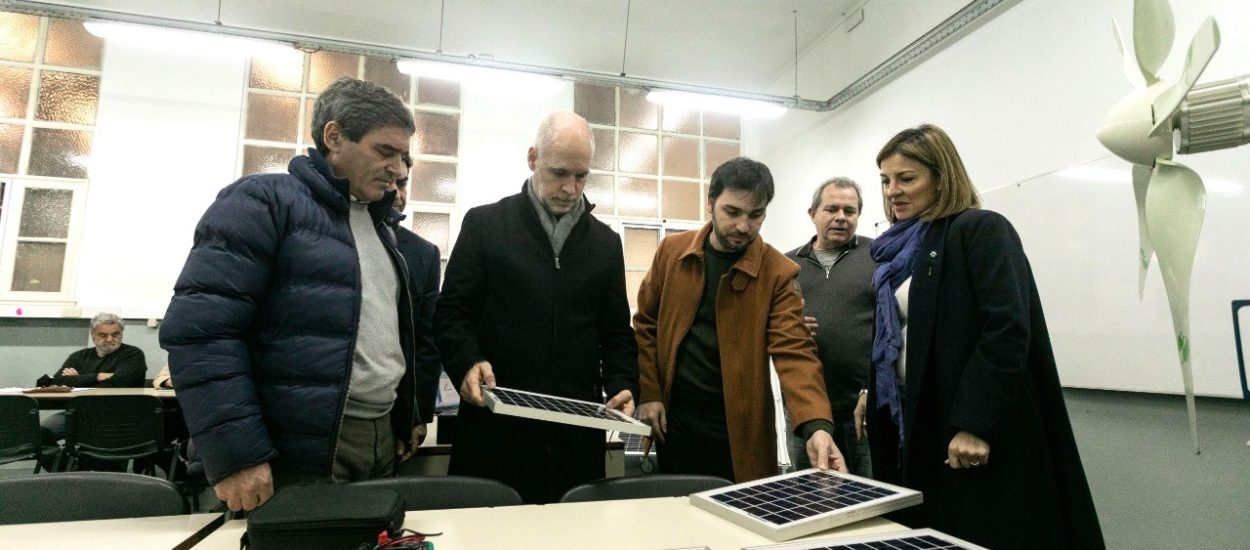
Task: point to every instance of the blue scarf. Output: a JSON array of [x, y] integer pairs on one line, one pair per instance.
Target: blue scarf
[[893, 251]]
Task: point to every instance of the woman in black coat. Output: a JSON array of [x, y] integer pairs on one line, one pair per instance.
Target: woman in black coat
[[965, 396]]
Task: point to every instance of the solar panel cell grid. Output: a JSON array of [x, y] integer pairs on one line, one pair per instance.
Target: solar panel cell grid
[[905, 543], [551, 404], [792, 499]]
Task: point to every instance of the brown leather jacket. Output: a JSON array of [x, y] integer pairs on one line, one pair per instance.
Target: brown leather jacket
[[760, 314]]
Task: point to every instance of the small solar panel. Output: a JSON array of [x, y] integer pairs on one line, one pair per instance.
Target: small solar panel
[[563, 410], [633, 444], [927, 539], [804, 502]]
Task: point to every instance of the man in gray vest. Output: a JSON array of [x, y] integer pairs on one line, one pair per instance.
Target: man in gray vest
[[835, 273]]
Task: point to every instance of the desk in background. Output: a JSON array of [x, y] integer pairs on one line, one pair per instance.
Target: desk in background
[[56, 401], [654, 523]]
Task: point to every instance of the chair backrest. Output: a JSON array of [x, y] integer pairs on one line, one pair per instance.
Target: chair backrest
[[19, 428], [447, 492], [114, 426], [651, 486], [80, 496]]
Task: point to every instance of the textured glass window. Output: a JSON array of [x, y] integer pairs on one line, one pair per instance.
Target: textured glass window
[[14, 91], [326, 67], [716, 153], [435, 91], [37, 267], [681, 157], [385, 73], [70, 45], [638, 153], [681, 121], [437, 133], [277, 72], [637, 197], [306, 132], [45, 213], [272, 118], [636, 111], [721, 125], [681, 200], [68, 97], [432, 182], [18, 36], [59, 153], [434, 227], [597, 104], [599, 192], [605, 150], [10, 147], [640, 245], [633, 282], [266, 160]]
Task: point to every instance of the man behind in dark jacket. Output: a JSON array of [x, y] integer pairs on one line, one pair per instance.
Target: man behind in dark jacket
[[107, 364], [535, 300], [290, 331], [835, 273], [422, 259]]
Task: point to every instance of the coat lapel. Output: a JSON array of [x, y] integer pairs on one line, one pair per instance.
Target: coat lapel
[[921, 313]]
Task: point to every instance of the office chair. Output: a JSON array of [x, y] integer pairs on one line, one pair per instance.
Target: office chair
[[447, 492], [81, 496], [651, 486], [19, 431]]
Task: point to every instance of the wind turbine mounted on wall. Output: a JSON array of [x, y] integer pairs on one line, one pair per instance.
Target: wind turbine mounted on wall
[[1142, 128]]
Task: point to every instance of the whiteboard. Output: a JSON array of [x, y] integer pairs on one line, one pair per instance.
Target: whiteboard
[[1079, 228]]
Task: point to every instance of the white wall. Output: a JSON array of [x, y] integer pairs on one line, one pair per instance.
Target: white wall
[[166, 141], [1023, 96]]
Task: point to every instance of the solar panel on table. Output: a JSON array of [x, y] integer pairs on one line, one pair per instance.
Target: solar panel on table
[[927, 539], [563, 410], [804, 502]]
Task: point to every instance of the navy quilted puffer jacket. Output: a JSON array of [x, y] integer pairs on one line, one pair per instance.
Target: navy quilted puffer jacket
[[262, 325]]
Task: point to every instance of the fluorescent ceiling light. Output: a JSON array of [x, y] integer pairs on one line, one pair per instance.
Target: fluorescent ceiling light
[[186, 41], [503, 81], [734, 105]]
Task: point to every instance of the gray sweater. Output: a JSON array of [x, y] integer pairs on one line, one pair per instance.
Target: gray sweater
[[843, 304]]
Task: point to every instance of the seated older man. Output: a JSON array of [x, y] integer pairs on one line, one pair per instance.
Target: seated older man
[[107, 364]]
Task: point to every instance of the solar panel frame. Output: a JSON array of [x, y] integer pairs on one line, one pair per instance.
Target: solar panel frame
[[786, 495], [574, 412], [895, 539]]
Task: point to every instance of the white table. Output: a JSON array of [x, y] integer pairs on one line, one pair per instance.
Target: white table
[[155, 533], [656, 523]]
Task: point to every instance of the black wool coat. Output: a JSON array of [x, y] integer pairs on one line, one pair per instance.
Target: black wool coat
[[422, 258], [546, 324], [979, 359]]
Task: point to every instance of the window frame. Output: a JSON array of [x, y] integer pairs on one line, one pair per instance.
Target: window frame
[[10, 226]]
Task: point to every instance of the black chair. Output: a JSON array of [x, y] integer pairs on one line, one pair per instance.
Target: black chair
[[19, 431], [114, 428], [652, 486], [447, 492], [81, 496]]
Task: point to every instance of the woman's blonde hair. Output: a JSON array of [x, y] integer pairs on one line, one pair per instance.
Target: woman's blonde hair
[[930, 146]]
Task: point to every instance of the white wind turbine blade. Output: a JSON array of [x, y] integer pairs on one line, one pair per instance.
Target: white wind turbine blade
[[1153, 32], [1145, 251], [1203, 46], [1175, 205], [1128, 61]]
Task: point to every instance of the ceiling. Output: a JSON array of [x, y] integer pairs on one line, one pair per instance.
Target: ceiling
[[744, 45]]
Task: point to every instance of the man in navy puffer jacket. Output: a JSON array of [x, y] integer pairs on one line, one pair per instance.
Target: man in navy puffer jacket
[[290, 330]]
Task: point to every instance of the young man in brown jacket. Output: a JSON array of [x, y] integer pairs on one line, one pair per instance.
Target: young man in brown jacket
[[715, 305]]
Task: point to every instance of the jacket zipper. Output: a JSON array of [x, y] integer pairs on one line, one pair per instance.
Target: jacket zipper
[[830, 268]]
